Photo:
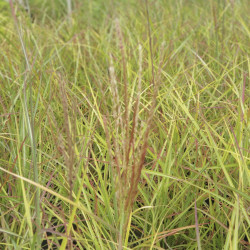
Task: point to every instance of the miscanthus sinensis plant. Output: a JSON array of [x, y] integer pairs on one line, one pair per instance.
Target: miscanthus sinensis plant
[[124, 124]]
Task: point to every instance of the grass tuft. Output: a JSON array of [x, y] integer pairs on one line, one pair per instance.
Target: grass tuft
[[124, 124]]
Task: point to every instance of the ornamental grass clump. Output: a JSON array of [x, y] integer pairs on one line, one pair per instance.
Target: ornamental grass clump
[[124, 124]]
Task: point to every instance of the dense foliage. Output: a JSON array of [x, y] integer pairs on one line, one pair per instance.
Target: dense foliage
[[124, 124]]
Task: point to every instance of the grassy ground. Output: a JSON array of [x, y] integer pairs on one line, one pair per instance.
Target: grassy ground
[[124, 124]]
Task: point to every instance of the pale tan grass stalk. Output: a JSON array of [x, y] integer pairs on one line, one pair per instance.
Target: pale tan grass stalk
[[116, 110], [134, 130], [197, 227], [137, 105], [69, 8], [115, 94], [125, 82]]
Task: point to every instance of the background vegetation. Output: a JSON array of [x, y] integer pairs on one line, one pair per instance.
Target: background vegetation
[[124, 124]]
